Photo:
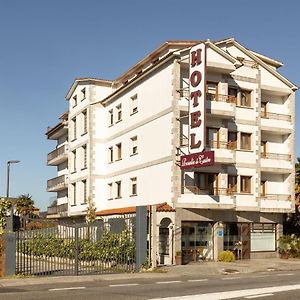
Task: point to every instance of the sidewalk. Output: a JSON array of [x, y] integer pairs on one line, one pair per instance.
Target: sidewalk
[[200, 269]]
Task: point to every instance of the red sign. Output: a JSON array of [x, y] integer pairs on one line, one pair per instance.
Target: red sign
[[197, 98], [197, 160]]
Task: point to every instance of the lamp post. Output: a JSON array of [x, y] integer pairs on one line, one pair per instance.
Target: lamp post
[[10, 223]]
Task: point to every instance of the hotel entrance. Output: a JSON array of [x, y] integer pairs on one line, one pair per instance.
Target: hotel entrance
[[196, 241], [237, 239]]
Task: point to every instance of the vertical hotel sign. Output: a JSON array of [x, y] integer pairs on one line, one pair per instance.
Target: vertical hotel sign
[[197, 157]]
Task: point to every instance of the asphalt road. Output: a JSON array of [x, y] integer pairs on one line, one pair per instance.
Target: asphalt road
[[267, 285]]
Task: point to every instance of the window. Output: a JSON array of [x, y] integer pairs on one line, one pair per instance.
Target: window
[[232, 184], [119, 151], [211, 90], [134, 104], [212, 137], [83, 94], [263, 149], [264, 111], [133, 186], [245, 98], [119, 112], [74, 160], [232, 140], [118, 189], [246, 184], [74, 128], [110, 154], [245, 141], [74, 193], [263, 237], [134, 145], [110, 191], [263, 188], [74, 101], [84, 154], [232, 94], [111, 117], [84, 115], [84, 187]]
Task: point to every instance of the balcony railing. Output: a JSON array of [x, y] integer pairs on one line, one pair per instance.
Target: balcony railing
[[232, 145], [221, 98], [211, 192], [275, 116], [57, 153], [276, 197], [276, 156], [57, 183], [211, 97], [57, 209]]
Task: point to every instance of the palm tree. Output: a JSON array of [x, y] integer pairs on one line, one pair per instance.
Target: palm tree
[[24, 207]]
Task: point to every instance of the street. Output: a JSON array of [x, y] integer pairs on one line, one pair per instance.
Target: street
[[264, 285]]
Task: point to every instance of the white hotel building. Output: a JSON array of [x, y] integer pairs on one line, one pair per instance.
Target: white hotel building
[[120, 144]]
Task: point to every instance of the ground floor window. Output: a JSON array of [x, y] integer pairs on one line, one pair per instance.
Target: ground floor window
[[197, 241], [263, 237]]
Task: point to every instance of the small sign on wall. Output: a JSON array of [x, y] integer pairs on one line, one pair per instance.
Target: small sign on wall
[[197, 160]]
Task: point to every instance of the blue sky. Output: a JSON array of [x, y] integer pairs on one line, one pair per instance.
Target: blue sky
[[46, 44]]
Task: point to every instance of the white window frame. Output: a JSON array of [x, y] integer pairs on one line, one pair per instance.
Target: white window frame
[[110, 117], [119, 113], [110, 194], [133, 182], [118, 189], [134, 104], [134, 145]]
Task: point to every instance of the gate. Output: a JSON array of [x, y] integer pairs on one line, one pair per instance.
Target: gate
[[77, 249]]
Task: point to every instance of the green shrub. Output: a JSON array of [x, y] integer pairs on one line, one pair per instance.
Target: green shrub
[[226, 256], [289, 246]]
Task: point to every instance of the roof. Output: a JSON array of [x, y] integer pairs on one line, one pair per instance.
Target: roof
[[162, 207], [87, 80]]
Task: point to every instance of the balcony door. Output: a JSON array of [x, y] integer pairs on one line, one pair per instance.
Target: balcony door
[[232, 140], [213, 137], [212, 91], [207, 183]]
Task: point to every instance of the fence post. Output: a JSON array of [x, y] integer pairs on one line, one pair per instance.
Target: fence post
[[141, 236], [76, 251], [10, 253]]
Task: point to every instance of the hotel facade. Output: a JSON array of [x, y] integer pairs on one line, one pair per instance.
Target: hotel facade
[[134, 141]]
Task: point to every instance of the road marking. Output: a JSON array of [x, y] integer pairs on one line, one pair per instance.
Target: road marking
[[259, 296], [68, 288], [124, 284], [231, 278], [235, 294], [167, 282], [197, 280], [289, 274]]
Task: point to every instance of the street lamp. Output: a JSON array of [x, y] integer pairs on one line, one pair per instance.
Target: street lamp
[[10, 223]]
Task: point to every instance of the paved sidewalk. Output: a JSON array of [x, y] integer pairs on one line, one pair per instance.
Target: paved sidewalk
[[200, 269]]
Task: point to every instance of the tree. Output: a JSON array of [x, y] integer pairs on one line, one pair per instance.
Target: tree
[[4, 206], [24, 206], [90, 216], [297, 175]]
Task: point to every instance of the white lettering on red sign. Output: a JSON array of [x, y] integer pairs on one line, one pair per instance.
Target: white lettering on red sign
[[197, 98]]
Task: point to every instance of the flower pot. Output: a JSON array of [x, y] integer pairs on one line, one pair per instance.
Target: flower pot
[[178, 260]]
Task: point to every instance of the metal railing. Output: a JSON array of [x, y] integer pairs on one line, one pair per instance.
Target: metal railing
[[221, 98], [56, 153], [275, 116], [57, 209], [276, 156], [56, 182], [211, 192], [222, 145], [277, 197]]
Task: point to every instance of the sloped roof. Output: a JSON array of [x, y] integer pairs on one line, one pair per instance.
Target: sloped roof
[[162, 207]]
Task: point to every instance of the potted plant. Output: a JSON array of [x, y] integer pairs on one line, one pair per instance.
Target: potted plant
[[178, 258]]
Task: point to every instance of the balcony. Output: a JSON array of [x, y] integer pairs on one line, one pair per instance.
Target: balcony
[[57, 156], [276, 203], [224, 151], [221, 105], [214, 198], [57, 211], [276, 123], [57, 183], [276, 163]]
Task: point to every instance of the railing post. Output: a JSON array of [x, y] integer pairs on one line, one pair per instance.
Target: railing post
[[141, 237], [76, 252]]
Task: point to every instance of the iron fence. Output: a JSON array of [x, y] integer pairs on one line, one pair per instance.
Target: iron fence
[[77, 249]]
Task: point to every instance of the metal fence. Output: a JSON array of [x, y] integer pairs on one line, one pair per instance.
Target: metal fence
[[68, 249]]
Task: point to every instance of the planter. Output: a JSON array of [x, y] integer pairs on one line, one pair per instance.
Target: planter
[[178, 260]]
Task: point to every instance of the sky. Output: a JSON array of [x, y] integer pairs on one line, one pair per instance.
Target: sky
[[44, 45]]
